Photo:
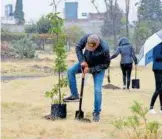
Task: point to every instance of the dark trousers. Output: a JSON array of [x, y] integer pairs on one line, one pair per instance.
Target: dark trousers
[[126, 70], [158, 90]]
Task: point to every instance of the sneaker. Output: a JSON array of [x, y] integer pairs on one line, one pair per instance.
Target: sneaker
[[152, 111], [124, 87], [96, 116], [160, 111], [71, 99]]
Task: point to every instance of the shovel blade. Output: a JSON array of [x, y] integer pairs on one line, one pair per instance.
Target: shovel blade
[[108, 78], [136, 83], [79, 115]]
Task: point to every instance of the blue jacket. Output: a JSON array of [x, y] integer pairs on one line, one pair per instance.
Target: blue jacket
[[157, 58], [97, 60], [126, 51]]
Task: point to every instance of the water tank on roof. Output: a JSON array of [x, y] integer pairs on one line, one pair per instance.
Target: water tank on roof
[[71, 10], [8, 10]]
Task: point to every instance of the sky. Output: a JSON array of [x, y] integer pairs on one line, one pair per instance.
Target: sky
[[34, 9]]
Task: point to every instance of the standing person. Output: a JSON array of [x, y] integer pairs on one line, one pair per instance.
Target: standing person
[[127, 57], [94, 60], [157, 69]]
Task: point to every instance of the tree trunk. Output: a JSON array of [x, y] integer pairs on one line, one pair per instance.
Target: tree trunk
[[59, 88], [114, 34], [127, 25], [127, 5]]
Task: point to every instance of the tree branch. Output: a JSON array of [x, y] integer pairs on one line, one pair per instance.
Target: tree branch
[[93, 2]]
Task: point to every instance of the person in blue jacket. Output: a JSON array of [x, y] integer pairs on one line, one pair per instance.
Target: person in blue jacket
[[127, 56], [157, 69], [95, 60]]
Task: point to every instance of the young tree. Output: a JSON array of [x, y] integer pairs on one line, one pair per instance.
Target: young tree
[[19, 14], [59, 50]]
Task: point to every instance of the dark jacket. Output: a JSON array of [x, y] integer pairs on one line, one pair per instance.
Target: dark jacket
[[126, 51], [97, 60], [157, 58]]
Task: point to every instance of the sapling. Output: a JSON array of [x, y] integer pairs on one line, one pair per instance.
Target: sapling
[[134, 127], [59, 63]]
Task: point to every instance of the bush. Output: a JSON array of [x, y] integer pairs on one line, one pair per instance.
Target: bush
[[137, 126], [31, 28], [7, 36], [24, 48]]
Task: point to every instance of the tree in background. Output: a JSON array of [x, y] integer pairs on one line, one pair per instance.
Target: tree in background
[[149, 20], [43, 25], [127, 9], [113, 20], [31, 28], [142, 32], [19, 14], [150, 11], [73, 34]]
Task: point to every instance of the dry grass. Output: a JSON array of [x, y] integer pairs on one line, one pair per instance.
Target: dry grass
[[24, 105]]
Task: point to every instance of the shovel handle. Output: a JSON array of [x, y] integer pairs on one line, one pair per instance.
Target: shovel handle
[[135, 72]]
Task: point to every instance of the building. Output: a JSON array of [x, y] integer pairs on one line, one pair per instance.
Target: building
[[96, 16], [8, 10], [71, 10], [8, 15]]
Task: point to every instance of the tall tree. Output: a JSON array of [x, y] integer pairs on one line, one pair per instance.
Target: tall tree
[[149, 20], [151, 11], [19, 14], [127, 9], [112, 23]]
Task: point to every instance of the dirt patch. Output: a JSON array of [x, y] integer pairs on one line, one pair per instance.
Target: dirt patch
[[111, 86]]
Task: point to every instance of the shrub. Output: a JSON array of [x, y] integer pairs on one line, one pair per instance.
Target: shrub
[[137, 125], [31, 28], [24, 48]]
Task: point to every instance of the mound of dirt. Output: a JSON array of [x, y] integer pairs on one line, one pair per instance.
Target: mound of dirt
[[111, 86]]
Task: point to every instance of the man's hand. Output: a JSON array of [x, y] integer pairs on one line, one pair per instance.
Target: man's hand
[[84, 64]]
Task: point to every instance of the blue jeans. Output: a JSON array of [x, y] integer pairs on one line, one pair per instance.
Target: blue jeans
[[98, 80]]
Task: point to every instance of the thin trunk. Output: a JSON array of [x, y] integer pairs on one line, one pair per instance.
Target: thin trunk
[[127, 5], [59, 88], [127, 26], [93, 2], [114, 24]]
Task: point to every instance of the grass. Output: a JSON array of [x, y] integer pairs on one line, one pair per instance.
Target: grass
[[24, 105]]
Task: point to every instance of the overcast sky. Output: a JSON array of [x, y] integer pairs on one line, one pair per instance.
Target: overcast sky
[[34, 9]]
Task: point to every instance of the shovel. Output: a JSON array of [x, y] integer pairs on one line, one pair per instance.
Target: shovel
[[136, 82], [108, 77], [79, 115]]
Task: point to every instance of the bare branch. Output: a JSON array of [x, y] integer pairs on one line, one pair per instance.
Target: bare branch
[[93, 2], [59, 1], [55, 5], [107, 5]]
